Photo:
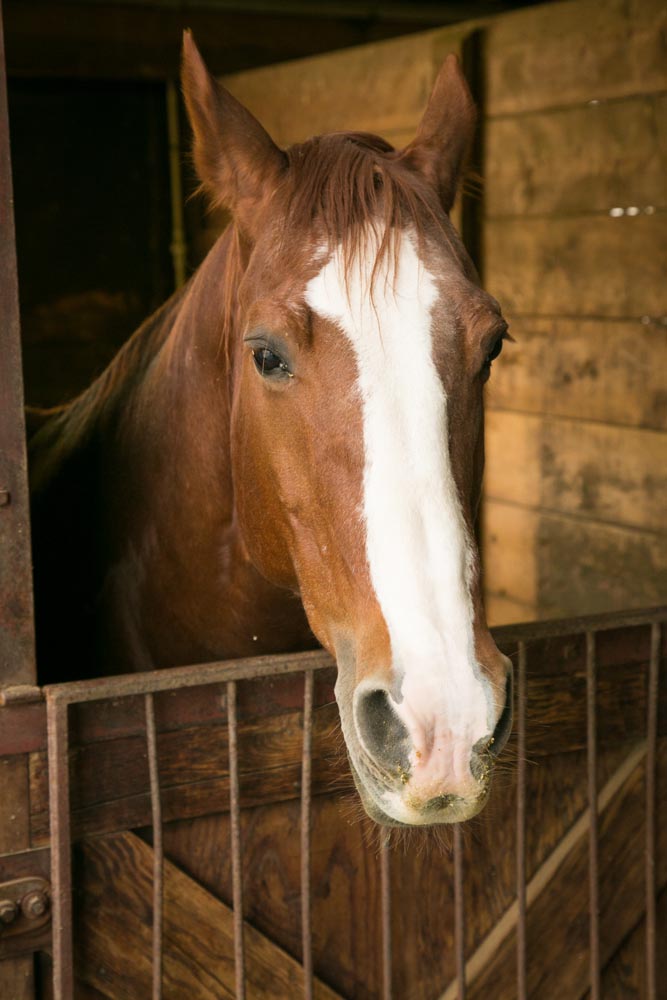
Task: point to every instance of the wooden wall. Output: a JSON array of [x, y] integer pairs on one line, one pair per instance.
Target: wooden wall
[[573, 130]]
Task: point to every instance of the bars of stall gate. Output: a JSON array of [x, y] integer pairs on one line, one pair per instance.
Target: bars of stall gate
[[59, 697]]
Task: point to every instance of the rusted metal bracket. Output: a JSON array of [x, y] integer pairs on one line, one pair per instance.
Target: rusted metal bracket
[[25, 906]]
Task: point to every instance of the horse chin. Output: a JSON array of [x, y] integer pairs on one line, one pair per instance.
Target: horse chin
[[397, 809]]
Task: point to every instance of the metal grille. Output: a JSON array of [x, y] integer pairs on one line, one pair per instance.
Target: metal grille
[[60, 697]]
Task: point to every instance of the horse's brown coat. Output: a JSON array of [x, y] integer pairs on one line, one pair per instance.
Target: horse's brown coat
[[187, 509]]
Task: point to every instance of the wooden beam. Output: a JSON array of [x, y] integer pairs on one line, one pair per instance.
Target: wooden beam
[[120, 41], [198, 932]]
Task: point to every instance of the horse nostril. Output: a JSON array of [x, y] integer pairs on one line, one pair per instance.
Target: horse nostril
[[504, 724], [382, 733]]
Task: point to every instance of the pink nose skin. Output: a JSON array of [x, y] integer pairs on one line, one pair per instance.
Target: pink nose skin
[[441, 762]]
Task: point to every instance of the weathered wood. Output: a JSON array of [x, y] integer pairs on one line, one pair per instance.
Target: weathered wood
[[624, 976], [198, 932], [594, 266], [587, 159], [109, 780], [613, 474], [565, 565], [323, 94], [609, 371], [571, 53], [558, 913], [345, 882], [17, 978], [502, 610]]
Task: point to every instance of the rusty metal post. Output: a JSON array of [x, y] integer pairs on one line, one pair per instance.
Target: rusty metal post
[[61, 858], [385, 890], [158, 850], [17, 641], [521, 823], [459, 915], [592, 771], [651, 763], [306, 824]]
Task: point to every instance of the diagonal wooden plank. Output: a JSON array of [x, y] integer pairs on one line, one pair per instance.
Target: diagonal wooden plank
[[557, 899], [113, 926]]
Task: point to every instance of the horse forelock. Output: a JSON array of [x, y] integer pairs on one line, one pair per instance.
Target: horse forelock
[[351, 183]]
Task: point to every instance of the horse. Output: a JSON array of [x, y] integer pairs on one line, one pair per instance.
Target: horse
[[290, 451]]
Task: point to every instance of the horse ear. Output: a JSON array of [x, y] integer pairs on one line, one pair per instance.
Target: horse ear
[[445, 133], [237, 162]]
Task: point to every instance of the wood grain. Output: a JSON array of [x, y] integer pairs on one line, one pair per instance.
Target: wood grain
[[584, 159], [604, 370], [571, 53], [595, 266], [382, 88], [198, 932], [559, 913], [566, 566], [605, 473]]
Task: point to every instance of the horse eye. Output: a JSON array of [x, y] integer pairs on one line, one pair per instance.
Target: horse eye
[[495, 351], [267, 362]]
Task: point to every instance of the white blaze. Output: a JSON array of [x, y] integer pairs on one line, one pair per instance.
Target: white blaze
[[417, 546]]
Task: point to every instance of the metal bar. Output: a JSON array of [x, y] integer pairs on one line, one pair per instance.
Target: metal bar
[[593, 867], [61, 860], [651, 751], [235, 817], [306, 824], [521, 950], [200, 674], [385, 892], [158, 851], [459, 914]]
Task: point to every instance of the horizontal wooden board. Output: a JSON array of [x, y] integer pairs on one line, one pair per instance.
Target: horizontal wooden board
[[612, 474], [593, 266], [606, 370], [382, 87], [571, 53], [567, 566], [198, 932], [586, 159], [502, 610]]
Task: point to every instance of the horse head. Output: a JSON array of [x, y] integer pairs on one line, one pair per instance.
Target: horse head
[[359, 342]]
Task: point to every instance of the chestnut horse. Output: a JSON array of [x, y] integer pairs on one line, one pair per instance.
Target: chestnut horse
[[292, 446]]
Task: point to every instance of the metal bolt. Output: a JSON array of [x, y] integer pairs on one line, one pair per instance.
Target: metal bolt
[[34, 905], [8, 911]]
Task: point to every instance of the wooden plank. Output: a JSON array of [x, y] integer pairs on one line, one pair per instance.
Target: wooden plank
[[567, 566], [558, 908], [502, 610], [612, 474], [17, 978], [380, 88], [624, 976], [571, 53], [609, 371], [345, 878], [114, 921], [110, 779], [598, 266], [585, 159]]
